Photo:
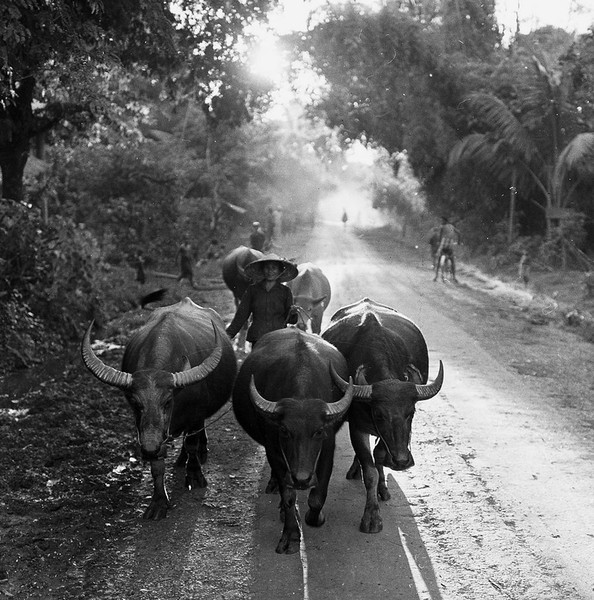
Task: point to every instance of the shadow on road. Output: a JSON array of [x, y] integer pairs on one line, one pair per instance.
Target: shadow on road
[[337, 560]]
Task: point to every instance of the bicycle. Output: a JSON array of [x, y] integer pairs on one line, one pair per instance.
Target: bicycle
[[445, 263]]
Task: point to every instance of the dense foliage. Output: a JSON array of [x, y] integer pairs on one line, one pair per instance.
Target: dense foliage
[[71, 63], [475, 118], [50, 282]]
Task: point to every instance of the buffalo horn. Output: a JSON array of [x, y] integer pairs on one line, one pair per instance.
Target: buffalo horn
[[199, 372], [360, 392], [263, 405], [103, 372], [430, 389], [337, 409]]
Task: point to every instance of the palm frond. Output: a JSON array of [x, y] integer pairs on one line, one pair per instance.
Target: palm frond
[[575, 163], [498, 118], [578, 155], [483, 152]]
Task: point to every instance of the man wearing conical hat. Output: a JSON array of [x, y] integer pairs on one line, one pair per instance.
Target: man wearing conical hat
[[267, 300]]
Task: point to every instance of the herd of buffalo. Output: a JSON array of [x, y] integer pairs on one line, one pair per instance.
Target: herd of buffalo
[[291, 394]]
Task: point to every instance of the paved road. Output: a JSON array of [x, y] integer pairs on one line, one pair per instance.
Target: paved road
[[501, 501]]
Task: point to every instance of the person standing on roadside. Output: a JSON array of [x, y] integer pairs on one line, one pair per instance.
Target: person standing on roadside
[[270, 229], [139, 264], [185, 262], [449, 237]]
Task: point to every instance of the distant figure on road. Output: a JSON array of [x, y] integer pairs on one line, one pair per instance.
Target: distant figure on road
[[185, 262], [345, 218], [257, 237]]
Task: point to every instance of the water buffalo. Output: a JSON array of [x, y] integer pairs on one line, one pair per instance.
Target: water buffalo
[[387, 357], [235, 278], [285, 399], [177, 370], [311, 292]]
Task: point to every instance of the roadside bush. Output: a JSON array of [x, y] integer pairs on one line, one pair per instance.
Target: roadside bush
[[49, 281], [126, 195]]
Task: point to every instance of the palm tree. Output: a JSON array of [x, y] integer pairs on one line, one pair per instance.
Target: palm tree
[[509, 152]]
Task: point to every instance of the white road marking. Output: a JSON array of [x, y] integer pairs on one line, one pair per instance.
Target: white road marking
[[418, 579], [303, 557]]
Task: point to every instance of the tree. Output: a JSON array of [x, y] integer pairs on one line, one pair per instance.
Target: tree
[[390, 79], [470, 27], [510, 151], [53, 54], [68, 59]]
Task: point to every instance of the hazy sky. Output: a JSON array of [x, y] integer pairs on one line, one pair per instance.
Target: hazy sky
[[533, 13], [572, 15]]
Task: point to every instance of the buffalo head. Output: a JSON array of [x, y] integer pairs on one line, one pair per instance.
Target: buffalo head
[[151, 392], [310, 311], [302, 425], [387, 408]]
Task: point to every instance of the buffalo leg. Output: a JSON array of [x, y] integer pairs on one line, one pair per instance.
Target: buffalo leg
[[194, 475], [182, 458], [371, 521], [379, 454], [202, 443], [317, 496], [157, 509], [272, 485], [291, 535]]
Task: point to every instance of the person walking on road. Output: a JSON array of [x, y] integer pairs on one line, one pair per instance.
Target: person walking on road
[[267, 301]]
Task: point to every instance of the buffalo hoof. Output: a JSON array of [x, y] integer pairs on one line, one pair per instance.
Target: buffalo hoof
[[195, 480], [371, 524], [315, 518], [289, 544], [383, 492], [272, 486], [156, 511]]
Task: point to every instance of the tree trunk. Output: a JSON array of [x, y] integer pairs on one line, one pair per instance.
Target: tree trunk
[[16, 127], [13, 166], [512, 209]]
